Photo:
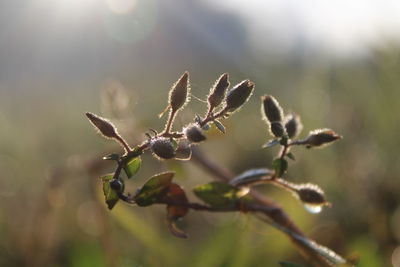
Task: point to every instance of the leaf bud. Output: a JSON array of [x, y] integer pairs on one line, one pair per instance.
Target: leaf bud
[[238, 95], [321, 137], [218, 91], [277, 129], [271, 109], [163, 148], [178, 95], [194, 133], [105, 127], [311, 194], [293, 125]]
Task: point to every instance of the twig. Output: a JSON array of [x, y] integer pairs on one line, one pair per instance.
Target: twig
[[269, 208]]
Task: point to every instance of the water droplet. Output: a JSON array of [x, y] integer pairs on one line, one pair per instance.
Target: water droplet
[[313, 208]]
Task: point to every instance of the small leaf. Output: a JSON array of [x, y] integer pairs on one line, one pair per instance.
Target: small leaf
[[206, 127], [291, 156], [111, 196], [197, 118], [176, 194], [219, 125], [271, 143], [173, 229], [217, 194], [289, 264], [112, 156], [174, 212], [154, 189], [280, 166], [251, 176], [133, 166]]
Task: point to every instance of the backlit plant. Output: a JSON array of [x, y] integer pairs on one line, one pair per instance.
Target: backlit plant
[[228, 194]]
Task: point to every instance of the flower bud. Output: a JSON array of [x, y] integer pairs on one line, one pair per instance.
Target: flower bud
[[218, 91], [106, 128], [272, 111], [311, 194], [293, 125], [178, 95], [277, 129], [116, 185], [321, 137], [163, 148], [238, 95], [194, 133]]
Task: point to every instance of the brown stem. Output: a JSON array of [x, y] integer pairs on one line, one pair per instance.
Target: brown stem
[[170, 121], [123, 143], [271, 209], [211, 117]]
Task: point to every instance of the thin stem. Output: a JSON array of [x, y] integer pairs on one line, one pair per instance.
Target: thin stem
[[123, 143], [211, 117], [170, 121]]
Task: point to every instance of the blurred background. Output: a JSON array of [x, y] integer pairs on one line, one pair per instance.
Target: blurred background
[[336, 63]]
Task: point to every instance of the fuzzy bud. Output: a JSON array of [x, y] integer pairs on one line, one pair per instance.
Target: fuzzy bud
[[178, 95], [293, 125], [106, 128], [311, 194], [218, 91], [194, 133], [321, 137], [272, 111], [238, 95], [163, 148], [277, 129]]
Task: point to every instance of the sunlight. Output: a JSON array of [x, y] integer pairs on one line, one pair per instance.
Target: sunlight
[[121, 6]]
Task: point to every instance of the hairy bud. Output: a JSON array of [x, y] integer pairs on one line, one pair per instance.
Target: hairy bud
[[277, 129], [311, 194], [293, 125], [178, 95], [106, 128], [163, 148], [218, 91], [272, 111], [321, 137], [238, 95], [194, 133]]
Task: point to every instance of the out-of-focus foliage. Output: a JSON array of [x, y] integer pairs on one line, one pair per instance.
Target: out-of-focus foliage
[[51, 207]]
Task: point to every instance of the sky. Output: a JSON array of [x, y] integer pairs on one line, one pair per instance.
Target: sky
[[340, 27], [75, 39]]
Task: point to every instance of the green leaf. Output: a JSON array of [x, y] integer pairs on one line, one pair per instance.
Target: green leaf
[[219, 125], [291, 156], [206, 127], [154, 189], [289, 264], [271, 143], [112, 156], [111, 196], [133, 166], [217, 194], [280, 166], [251, 176]]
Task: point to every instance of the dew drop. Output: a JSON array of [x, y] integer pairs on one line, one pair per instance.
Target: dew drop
[[313, 208]]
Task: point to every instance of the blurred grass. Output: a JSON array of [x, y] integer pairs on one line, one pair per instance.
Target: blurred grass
[[41, 225]]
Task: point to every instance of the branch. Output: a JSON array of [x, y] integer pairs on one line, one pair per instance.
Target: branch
[[279, 218]]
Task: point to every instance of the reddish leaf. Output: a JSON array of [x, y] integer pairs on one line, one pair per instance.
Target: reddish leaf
[[174, 212]]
